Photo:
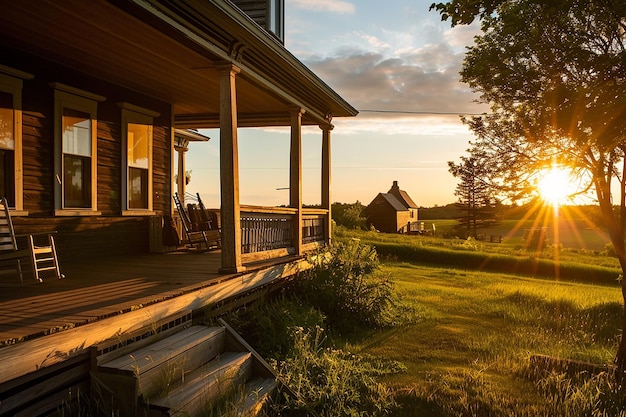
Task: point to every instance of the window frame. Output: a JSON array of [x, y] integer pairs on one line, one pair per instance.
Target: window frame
[[136, 114], [276, 18], [11, 82], [66, 97]]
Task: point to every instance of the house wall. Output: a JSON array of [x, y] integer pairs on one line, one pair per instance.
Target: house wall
[[256, 9], [381, 215], [109, 233], [403, 218]]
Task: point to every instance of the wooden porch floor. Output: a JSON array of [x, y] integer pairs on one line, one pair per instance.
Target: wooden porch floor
[[96, 289]]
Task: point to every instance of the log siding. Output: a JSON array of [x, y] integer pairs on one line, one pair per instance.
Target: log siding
[[107, 234]]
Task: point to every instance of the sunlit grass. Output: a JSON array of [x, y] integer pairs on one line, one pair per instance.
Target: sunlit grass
[[472, 346], [512, 246]]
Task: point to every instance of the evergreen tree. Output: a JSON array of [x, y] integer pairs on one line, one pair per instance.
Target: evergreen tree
[[476, 198]]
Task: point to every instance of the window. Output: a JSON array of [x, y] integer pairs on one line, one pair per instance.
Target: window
[[11, 182], [75, 151], [137, 175], [77, 158], [276, 18], [7, 148], [139, 141]]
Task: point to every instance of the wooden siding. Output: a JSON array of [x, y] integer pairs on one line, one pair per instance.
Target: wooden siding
[[256, 9], [382, 215], [90, 236]]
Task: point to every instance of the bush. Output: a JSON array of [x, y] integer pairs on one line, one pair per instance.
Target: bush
[[346, 284], [268, 326], [609, 250], [332, 382]]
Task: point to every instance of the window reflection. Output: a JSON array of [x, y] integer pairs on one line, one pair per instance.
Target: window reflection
[[138, 140], [76, 159], [7, 148]]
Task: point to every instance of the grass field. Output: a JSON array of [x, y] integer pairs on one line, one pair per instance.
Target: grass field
[[509, 247], [571, 233], [465, 348], [469, 353]]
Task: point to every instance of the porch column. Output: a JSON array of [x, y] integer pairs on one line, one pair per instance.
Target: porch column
[[295, 175], [181, 183], [326, 180], [229, 171]]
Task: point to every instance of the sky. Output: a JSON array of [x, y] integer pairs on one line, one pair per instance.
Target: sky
[[398, 64]]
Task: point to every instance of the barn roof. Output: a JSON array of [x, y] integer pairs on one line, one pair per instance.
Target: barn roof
[[394, 201]]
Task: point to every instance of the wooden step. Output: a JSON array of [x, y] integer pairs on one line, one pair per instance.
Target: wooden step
[[256, 393], [155, 368], [223, 376]]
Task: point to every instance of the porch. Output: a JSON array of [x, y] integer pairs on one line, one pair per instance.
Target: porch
[[42, 324]]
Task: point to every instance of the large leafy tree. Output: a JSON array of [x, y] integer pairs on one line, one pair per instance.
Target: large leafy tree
[[554, 73]]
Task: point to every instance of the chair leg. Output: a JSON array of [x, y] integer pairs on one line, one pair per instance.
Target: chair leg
[[33, 257], [19, 270], [44, 258], [56, 260]]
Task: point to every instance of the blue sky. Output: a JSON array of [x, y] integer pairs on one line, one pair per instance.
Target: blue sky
[[394, 57]]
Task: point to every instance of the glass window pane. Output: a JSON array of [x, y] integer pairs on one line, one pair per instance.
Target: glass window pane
[[137, 188], [139, 137], [7, 175], [6, 121], [77, 181], [76, 132]]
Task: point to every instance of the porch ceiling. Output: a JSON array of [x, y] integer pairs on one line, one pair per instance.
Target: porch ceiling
[[171, 53]]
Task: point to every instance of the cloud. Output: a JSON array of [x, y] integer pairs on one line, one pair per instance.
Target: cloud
[[425, 79], [401, 124], [373, 41], [335, 6], [461, 35]]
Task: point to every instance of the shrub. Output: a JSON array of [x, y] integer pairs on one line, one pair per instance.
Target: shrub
[[346, 284], [609, 250], [332, 382], [268, 326]]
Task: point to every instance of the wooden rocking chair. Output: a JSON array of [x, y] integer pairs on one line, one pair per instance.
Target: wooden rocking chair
[[192, 235]]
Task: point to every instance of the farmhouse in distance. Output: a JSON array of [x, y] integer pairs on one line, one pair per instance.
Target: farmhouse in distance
[[392, 212]]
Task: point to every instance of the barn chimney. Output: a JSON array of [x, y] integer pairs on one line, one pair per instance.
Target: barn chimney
[[394, 187]]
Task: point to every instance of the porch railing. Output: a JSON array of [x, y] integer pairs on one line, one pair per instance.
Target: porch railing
[[265, 228], [313, 227]]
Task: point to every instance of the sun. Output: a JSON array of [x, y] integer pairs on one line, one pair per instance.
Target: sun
[[555, 185]]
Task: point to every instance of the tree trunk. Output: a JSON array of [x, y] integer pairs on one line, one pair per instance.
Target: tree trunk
[[616, 232]]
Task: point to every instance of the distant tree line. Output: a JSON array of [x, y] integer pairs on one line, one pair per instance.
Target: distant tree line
[[349, 215]]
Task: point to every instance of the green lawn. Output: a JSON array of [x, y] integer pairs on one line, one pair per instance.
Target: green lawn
[[469, 334], [509, 247], [469, 352], [572, 233]]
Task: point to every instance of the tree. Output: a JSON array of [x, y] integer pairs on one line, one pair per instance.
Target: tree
[[554, 73], [349, 215], [476, 198]]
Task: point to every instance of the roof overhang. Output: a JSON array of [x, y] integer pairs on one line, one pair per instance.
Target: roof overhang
[[172, 50]]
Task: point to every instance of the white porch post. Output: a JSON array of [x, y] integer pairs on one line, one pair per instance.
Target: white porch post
[[326, 180], [229, 171], [295, 175]]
